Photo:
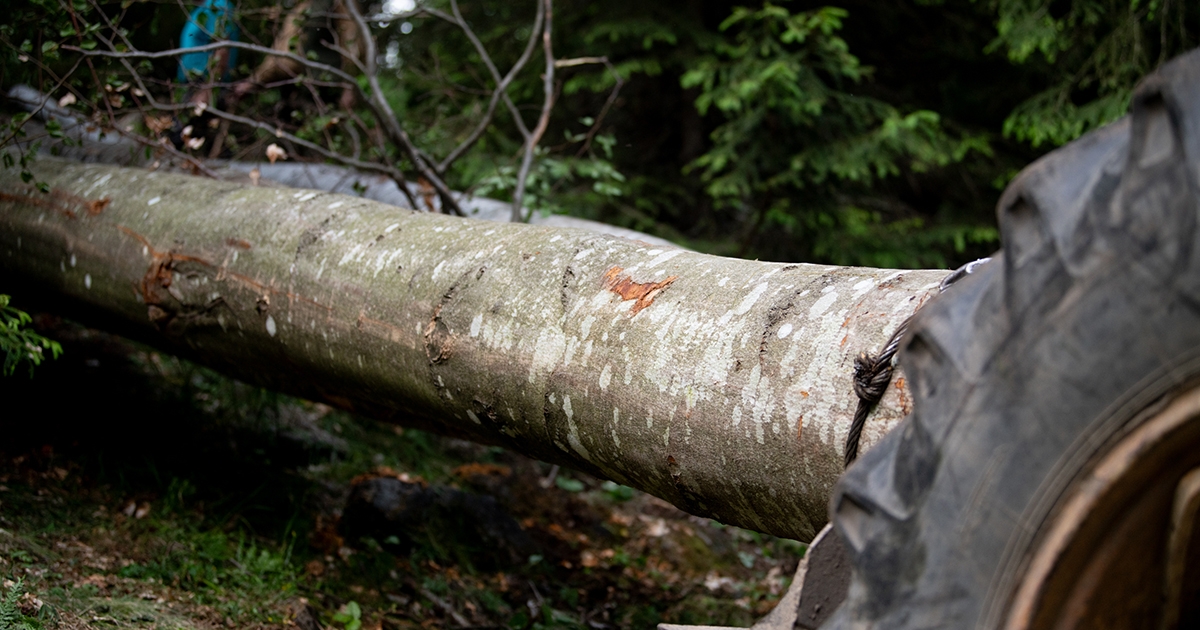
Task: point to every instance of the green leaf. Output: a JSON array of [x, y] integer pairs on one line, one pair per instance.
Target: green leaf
[[349, 615], [568, 484]]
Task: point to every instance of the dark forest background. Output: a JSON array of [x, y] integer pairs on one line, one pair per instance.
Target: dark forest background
[[863, 133]]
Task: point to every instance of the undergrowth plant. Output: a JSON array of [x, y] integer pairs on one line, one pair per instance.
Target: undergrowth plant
[[11, 616], [19, 344]]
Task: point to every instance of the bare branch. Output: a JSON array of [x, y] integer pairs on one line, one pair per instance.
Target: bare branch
[[196, 163], [579, 61], [388, 117], [618, 82], [543, 121], [40, 106], [346, 54], [383, 113], [174, 52], [279, 133], [501, 89], [458, 21]]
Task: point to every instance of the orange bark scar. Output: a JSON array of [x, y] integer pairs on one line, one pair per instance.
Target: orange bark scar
[[162, 263], [905, 404], [643, 292], [59, 201]]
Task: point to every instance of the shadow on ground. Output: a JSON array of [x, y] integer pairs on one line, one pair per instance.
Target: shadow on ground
[[141, 491]]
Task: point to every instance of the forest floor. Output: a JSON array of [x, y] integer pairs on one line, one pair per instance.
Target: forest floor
[[141, 491]]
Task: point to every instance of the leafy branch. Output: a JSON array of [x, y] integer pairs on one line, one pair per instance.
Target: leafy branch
[[19, 344]]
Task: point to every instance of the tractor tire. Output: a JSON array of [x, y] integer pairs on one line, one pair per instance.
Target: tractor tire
[[1049, 475]]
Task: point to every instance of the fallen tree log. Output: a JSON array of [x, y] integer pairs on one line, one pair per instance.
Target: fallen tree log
[[720, 385]]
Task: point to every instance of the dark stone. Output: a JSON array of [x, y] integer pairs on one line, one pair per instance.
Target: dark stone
[[402, 516]]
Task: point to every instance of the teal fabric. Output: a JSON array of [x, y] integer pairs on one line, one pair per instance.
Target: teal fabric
[[210, 22]]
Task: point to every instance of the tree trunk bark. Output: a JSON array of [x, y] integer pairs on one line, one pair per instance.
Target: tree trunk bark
[[720, 385]]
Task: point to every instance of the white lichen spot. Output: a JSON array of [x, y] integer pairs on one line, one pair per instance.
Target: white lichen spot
[[99, 182], [862, 287], [585, 326], [587, 352], [153, 201], [87, 280], [556, 237], [723, 281], [736, 416], [572, 346], [336, 204], [391, 228], [662, 257], [270, 325], [654, 252], [750, 299], [476, 324], [474, 418], [72, 260], [828, 289], [548, 350], [349, 255], [605, 377], [583, 254], [820, 306], [784, 331], [600, 299], [309, 196], [628, 365]]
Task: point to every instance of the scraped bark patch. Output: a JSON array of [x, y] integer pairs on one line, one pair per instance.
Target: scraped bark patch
[[643, 292], [164, 304], [439, 343], [59, 201]]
